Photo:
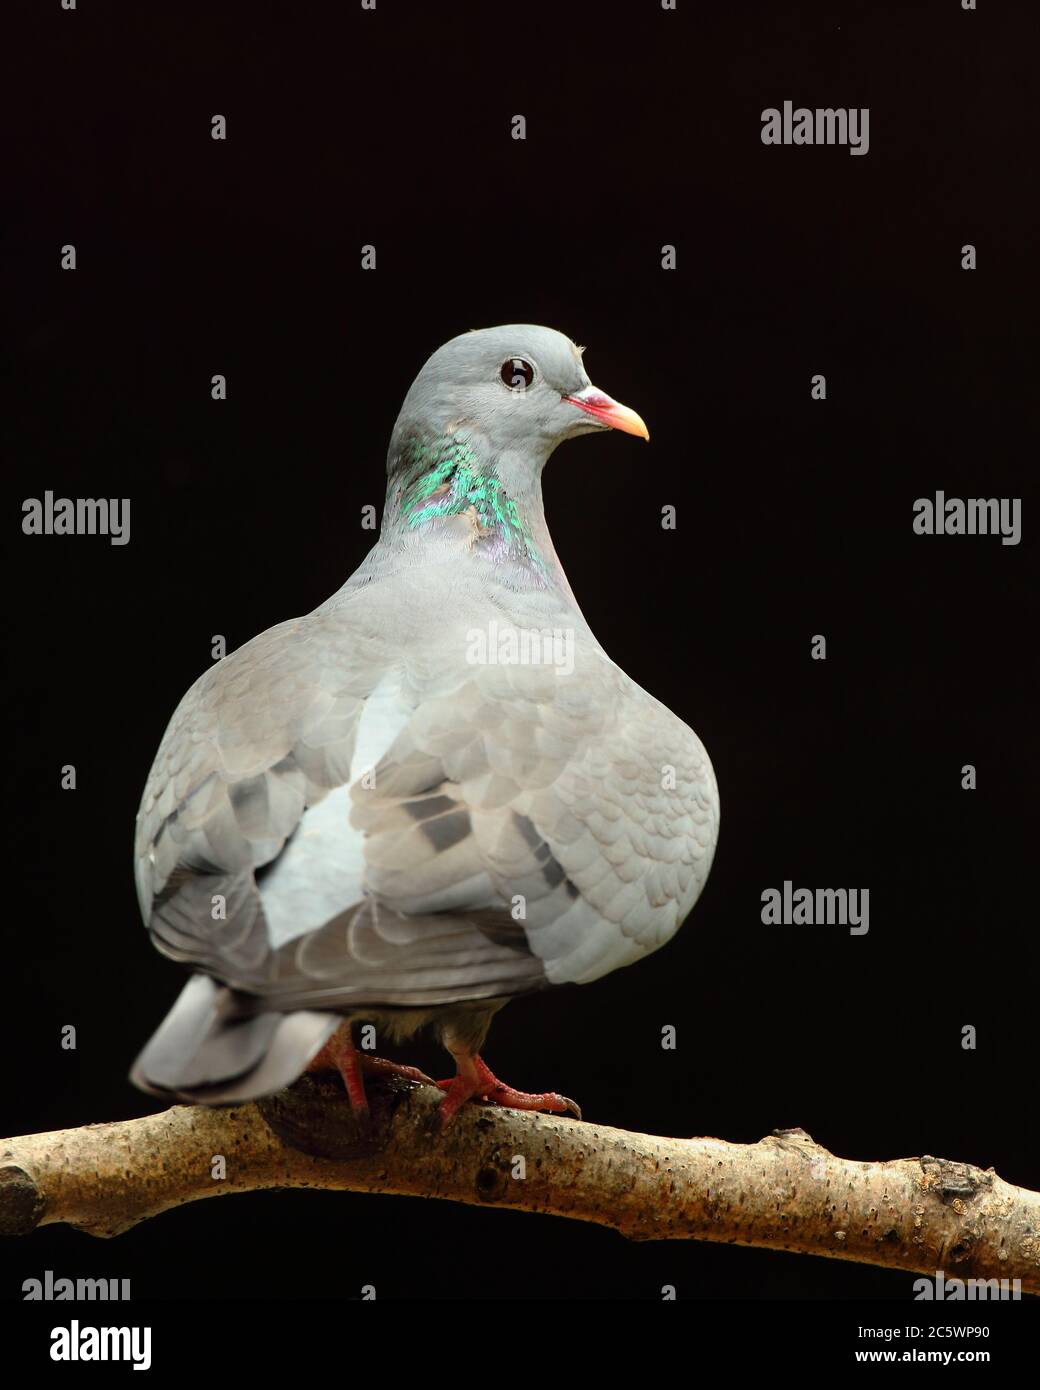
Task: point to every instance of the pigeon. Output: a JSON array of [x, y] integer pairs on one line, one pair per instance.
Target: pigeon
[[434, 793]]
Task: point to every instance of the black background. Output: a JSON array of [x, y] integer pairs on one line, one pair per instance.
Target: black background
[[242, 257]]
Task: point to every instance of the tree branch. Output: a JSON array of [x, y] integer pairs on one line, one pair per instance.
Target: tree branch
[[783, 1193]]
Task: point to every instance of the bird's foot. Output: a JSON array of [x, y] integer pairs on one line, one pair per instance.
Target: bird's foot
[[475, 1081], [340, 1054]]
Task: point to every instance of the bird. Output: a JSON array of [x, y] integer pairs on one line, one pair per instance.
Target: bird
[[433, 794]]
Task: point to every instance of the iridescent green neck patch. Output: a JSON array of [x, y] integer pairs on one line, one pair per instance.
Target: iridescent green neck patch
[[445, 478]]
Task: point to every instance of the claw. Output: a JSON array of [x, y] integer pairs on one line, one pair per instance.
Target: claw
[[379, 1066], [572, 1106]]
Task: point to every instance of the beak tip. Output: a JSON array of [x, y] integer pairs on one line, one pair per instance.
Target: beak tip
[[609, 412]]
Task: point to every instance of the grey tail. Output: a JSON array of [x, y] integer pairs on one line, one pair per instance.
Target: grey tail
[[213, 1050]]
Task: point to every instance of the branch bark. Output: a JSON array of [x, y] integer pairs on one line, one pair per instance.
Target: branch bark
[[783, 1193]]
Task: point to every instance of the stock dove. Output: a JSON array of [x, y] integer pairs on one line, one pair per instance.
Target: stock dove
[[433, 793]]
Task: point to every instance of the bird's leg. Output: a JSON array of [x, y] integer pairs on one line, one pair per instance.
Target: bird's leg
[[340, 1054], [474, 1080]]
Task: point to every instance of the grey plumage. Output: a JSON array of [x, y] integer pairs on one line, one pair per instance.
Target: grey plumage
[[344, 814]]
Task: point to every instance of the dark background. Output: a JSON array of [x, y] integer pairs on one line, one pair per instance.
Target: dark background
[[794, 518]]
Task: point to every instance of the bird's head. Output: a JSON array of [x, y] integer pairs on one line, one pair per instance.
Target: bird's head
[[514, 393]]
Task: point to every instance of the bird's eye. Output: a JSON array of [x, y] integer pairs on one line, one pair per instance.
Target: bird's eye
[[516, 373]]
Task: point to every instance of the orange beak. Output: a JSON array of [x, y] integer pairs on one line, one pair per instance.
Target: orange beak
[[601, 407]]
